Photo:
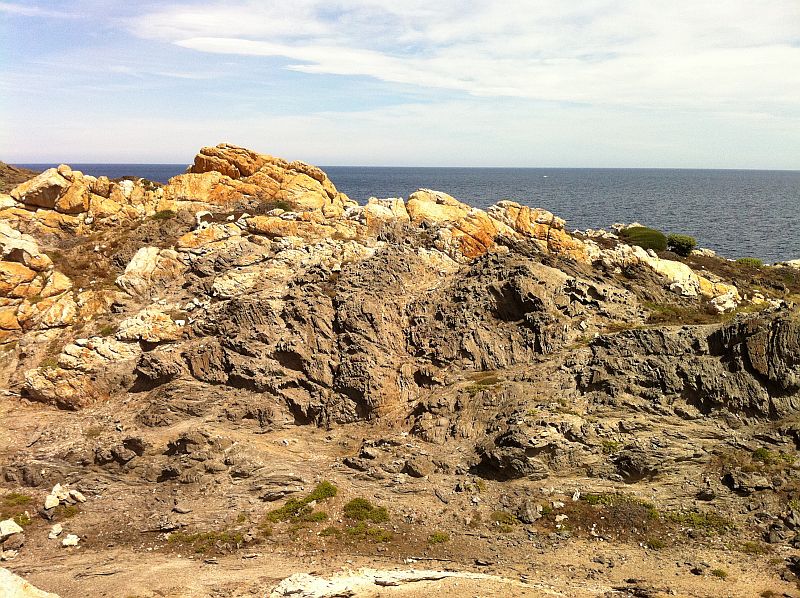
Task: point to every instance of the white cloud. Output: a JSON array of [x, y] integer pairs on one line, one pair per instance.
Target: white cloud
[[698, 54], [28, 10]]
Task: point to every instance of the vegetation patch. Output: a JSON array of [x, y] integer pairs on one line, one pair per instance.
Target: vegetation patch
[[207, 542], [164, 215], [300, 510], [750, 262], [708, 522], [503, 518], [644, 237], [681, 244], [438, 538], [360, 509], [721, 573], [363, 531]]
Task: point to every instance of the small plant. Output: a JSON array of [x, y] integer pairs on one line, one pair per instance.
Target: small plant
[[721, 573], [362, 530], [107, 330], [360, 509], [316, 517], [330, 531], [754, 548], [241, 517], [438, 538], [503, 517], [300, 510], [750, 262], [205, 542], [681, 244], [655, 543], [323, 491], [768, 457], [644, 237], [163, 215], [708, 522], [49, 363], [23, 519], [611, 446]]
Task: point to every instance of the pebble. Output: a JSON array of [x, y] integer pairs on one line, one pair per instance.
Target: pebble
[[70, 540]]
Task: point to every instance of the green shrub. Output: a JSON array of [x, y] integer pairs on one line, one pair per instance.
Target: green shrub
[[750, 262], [681, 244], [721, 573], [323, 491], [164, 215], [438, 538], [647, 238], [360, 509]]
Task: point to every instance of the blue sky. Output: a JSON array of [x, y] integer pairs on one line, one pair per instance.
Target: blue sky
[[594, 83]]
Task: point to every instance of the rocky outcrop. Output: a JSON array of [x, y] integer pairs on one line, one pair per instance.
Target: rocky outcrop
[[33, 294], [14, 586]]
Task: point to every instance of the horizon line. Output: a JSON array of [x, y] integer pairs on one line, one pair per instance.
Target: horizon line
[[185, 165]]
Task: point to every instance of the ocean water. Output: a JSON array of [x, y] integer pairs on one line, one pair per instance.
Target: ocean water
[[737, 213]]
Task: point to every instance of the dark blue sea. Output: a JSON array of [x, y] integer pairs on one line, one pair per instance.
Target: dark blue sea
[[737, 213]]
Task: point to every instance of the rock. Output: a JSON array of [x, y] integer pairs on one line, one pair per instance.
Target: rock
[[418, 467], [529, 511], [9, 527], [150, 271], [55, 531], [150, 325], [42, 190], [16, 279], [14, 586], [51, 502], [14, 542], [70, 540]]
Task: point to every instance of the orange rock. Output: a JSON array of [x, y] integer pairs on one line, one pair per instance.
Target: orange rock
[[42, 190], [15, 280], [75, 199]]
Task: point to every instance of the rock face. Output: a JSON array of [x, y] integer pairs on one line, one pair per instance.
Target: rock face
[[462, 347], [14, 586]]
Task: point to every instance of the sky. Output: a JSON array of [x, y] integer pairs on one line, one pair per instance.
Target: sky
[[571, 83]]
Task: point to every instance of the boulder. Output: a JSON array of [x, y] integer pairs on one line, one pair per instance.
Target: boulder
[[43, 190], [13, 586], [9, 527]]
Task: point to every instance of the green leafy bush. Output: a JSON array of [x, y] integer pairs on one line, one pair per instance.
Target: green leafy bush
[[645, 237], [438, 538], [360, 509], [750, 262], [681, 244]]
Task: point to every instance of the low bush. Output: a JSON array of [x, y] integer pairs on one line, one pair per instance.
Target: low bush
[[438, 538], [750, 262], [645, 237], [681, 244], [360, 509]]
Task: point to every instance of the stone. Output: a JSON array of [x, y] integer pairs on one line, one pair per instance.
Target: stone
[[150, 270], [9, 527], [51, 501], [42, 190], [55, 531], [529, 511], [70, 540], [14, 586], [14, 542], [150, 325], [16, 279]]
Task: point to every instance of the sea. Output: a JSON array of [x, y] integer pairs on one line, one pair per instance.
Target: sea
[[737, 213]]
